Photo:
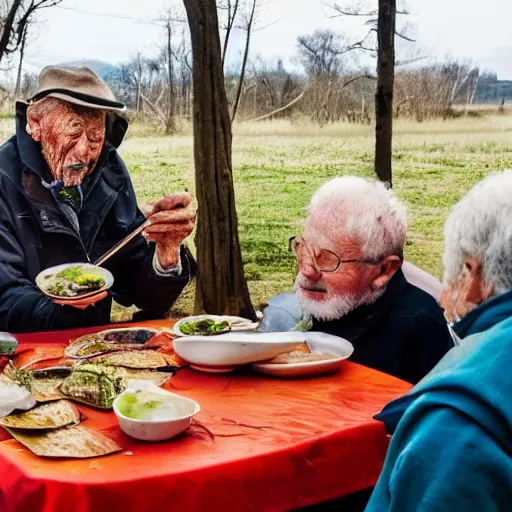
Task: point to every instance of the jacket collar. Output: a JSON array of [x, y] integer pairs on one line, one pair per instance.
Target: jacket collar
[[363, 318], [485, 316]]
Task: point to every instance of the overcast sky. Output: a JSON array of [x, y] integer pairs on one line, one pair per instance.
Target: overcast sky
[[460, 29]]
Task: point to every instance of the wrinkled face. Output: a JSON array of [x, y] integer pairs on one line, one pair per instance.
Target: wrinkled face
[[331, 295], [71, 140], [465, 292]]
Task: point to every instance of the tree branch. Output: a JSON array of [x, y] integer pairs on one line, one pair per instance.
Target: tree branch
[[288, 105], [366, 75], [244, 61]]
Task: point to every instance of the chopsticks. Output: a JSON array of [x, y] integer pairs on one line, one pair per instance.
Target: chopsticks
[[121, 244]]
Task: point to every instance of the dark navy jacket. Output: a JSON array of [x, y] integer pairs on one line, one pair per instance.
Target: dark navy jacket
[[403, 333], [35, 235]]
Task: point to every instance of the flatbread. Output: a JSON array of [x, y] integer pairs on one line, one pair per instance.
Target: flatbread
[[46, 389], [48, 416], [159, 378], [137, 359], [69, 442]]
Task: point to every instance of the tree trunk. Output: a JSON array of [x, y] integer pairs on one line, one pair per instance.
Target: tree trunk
[[221, 287], [5, 34], [170, 127], [384, 94], [17, 89]]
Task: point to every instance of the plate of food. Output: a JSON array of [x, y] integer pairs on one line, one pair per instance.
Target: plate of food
[[228, 350], [322, 353], [209, 325], [74, 281]]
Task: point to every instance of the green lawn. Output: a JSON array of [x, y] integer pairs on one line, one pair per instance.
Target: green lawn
[[278, 165]]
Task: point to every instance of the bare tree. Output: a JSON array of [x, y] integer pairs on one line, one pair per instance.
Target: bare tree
[[321, 53], [170, 126], [14, 17], [17, 88], [248, 29], [231, 9], [384, 94], [221, 286]]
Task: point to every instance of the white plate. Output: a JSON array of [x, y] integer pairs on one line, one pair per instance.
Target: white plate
[[318, 342], [245, 324], [235, 348], [103, 272]]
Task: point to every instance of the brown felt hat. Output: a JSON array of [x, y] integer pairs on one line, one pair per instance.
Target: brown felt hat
[[77, 85]]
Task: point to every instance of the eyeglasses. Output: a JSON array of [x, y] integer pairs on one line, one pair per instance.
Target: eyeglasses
[[323, 259]]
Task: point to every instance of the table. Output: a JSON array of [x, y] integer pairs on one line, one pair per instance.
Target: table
[[276, 445]]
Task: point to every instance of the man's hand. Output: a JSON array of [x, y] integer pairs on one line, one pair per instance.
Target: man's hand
[[82, 304], [171, 223]]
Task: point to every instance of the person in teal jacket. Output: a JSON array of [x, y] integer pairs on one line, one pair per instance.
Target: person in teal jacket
[[451, 448]]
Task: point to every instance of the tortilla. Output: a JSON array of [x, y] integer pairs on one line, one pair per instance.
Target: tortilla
[[159, 378], [46, 389], [110, 340], [48, 416], [137, 359], [44, 386], [69, 442]]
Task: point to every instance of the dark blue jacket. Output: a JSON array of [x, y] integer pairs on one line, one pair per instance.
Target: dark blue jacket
[[403, 333], [35, 235]]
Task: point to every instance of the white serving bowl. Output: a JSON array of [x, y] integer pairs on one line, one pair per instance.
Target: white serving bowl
[[158, 430], [235, 348]]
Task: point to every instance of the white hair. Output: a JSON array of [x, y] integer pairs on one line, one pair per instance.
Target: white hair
[[480, 225], [366, 210]]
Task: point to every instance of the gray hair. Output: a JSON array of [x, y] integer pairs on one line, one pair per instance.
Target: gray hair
[[480, 225], [366, 210]]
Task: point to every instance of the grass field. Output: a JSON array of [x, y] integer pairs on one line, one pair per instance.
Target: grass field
[[278, 165]]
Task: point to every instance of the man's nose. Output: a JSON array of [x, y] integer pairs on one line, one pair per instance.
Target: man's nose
[[81, 149], [308, 270]]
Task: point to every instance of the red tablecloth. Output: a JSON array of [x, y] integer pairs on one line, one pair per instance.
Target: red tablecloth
[[277, 445]]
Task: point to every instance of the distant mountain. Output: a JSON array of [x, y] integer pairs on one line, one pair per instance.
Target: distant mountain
[[103, 69]]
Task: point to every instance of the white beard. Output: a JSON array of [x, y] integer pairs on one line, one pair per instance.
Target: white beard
[[332, 308]]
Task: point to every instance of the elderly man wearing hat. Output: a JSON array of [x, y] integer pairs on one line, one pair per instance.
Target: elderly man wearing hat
[[66, 196]]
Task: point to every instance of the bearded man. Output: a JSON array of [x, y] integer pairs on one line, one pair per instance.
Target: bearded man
[[350, 282], [66, 196]]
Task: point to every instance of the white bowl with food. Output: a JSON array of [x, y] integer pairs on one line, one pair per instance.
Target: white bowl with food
[[322, 353], [225, 351], [208, 325], [153, 414], [74, 281]]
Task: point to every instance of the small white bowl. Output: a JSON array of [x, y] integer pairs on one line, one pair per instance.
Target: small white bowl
[[158, 430]]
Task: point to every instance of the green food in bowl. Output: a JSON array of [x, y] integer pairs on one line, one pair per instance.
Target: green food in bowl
[[206, 326], [143, 406]]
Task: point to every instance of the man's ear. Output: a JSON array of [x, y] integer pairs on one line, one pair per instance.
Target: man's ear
[[476, 290], [34, 125], [387, 269]]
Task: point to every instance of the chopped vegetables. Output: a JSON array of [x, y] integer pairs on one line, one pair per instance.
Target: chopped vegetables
[[205, 326]]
